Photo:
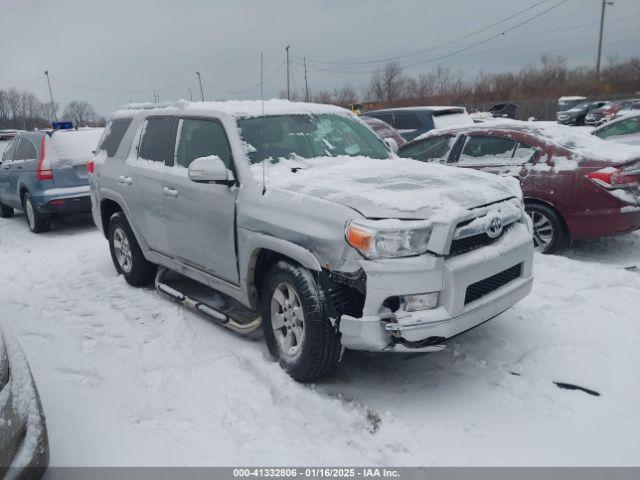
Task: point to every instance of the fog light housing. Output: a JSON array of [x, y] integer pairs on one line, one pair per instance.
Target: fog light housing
[[422, 301]]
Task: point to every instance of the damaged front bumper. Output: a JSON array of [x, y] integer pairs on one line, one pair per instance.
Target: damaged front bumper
[[472, 288]]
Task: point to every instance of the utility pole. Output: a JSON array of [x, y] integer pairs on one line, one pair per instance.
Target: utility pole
[[200, 81], [288, 84], [53, 105], [598, 61], [306, 82], [190, 94]]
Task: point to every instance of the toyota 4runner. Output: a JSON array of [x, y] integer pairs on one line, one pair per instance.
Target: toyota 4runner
[[297, 219]]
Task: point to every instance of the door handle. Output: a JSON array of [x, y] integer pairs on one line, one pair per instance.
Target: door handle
[[170, 192], [125, 180]]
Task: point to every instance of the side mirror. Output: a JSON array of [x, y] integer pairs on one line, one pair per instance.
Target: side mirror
[[391, 144], [210, 169]]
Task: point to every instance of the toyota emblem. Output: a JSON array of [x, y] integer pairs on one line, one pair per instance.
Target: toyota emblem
[[495, 227]]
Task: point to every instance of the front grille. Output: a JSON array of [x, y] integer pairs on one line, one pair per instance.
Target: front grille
[[464, 245], [484, 287]]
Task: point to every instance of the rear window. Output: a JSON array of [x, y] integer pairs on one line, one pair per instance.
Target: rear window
[[76, 146], [26, 150], [451, 118], [113, 135]]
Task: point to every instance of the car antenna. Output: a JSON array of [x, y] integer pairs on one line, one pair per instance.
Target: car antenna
[[264, 184]]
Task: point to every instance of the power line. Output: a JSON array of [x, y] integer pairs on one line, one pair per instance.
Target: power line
[[246, 90], [436, 47], [455, 52], [105, 90]]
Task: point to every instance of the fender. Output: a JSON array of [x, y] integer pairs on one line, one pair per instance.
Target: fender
[[252, 242], [107, 194]]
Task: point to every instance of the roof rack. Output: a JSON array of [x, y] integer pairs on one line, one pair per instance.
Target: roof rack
[[149, 105]]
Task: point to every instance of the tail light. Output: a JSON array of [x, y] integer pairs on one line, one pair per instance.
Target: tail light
[[612, 177], [91, 166], [43, 171]]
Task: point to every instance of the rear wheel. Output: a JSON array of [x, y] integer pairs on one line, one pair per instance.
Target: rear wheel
[[38, 223], [126, 254], [6, 212], [296, 327], [549, 232]]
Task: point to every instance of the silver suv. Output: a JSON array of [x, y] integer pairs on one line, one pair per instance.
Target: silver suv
[[298, 219]]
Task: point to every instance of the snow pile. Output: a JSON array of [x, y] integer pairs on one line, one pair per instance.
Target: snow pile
[[387, 187]]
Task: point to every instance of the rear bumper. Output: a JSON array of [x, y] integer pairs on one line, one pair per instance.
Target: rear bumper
[[604, 223], [425, 330], [64, 201]]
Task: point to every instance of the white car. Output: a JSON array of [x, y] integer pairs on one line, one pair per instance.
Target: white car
[[625, 129]]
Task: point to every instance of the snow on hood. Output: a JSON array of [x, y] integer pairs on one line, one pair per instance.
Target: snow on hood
[[393, 188]]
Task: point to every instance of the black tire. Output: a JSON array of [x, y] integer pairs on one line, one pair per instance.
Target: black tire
[[37, 222], [550, 235], [6, 212], [136, 270], [320, 350]]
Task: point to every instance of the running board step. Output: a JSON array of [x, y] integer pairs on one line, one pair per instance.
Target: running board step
[[215, 305]]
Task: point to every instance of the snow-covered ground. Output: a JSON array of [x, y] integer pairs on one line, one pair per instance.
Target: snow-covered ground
[[129, 378]]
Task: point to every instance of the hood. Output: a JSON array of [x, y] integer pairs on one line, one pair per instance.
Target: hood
[[392, 188]]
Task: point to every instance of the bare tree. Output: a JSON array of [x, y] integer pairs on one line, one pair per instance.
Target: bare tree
[[81, 113], [388, 83]]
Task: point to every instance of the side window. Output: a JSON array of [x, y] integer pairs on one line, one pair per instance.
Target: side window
[[429, 150], [625, 127], [157, 139], [22, 150], [7, 156], [481, 150], [385, 117], [524, 153], [201, 138], [113, 135], [407, 121]]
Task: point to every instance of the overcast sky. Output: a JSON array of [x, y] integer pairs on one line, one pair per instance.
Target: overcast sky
[[110, 51]]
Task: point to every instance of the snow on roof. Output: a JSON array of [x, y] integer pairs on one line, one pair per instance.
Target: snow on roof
[[237, 108], [577, 141], [76, 145], [571, 98], [425, 108]]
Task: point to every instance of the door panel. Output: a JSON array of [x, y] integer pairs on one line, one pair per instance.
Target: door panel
[[200, 217], [140, 180]]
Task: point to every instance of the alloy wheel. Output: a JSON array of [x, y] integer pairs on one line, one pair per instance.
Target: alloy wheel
[[543, 233], [122, 250], [287, 320]]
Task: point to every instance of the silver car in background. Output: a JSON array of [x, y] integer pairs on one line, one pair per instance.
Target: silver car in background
[[298, 218], [24, 447]]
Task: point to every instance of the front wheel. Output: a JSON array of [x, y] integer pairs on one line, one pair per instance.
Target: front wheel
[[549, 233], [296, 327], [126, 254], [38, 223]]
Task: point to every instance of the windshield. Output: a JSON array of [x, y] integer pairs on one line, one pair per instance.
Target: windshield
[[579, 106], [308, 136]]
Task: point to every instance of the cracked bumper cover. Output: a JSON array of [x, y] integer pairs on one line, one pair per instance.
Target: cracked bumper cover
[[376, 331]]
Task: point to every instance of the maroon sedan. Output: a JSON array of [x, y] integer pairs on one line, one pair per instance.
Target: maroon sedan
[[384, 130], [575, 186]]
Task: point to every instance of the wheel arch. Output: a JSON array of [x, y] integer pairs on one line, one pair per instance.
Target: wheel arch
[[537, 201], [263, 252]]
